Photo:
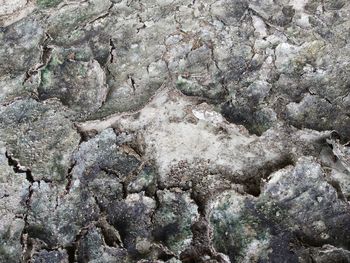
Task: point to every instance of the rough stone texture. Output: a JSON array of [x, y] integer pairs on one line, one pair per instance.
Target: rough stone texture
[[174, 131], [297, 205], [78, 85], [13, 198], [59, 256], [38, 137]]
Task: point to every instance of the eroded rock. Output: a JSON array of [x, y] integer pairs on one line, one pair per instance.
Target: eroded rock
[[174, 131], [39, 137]]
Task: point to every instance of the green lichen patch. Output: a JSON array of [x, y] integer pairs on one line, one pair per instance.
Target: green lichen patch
[[77, 84], [48, 3]]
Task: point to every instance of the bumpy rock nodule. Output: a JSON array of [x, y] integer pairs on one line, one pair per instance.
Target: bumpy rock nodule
[[174, 131]]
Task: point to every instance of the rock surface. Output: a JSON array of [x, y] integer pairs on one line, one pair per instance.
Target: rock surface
[[174, 131]]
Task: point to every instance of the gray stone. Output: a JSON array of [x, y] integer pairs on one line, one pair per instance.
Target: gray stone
[[39, 137], [78, 85], [174, 131]]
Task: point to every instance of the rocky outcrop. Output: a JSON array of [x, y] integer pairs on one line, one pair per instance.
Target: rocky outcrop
[[174, 131]]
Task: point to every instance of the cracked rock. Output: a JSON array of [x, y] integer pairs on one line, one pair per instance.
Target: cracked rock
[[302, 214], [59, 256], [78, 85], [20, 46], [92, 248], [209, 131], [56, 218], [13, 194], [132, 217], [33, 133], [173, 220]]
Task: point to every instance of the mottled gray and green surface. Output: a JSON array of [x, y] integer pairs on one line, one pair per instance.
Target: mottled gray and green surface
[[174, 131]]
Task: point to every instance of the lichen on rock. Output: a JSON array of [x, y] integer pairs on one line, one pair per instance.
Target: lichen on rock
[[174, 131]]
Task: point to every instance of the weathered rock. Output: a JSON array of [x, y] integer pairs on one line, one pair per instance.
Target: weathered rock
[[59, 256], [78, 85], [272, 226], [20, 46], [103, 153], [173, 219], [56, 217], [14, 191], [39, 137], [174, 131], [146, 181], [329, 253], [336, 157], [91, 248], [132, 216]]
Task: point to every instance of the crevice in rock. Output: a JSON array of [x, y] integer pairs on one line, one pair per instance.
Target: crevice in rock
[[4, 196], [155, 198], [26, 243], [25, 240], [85, 135], [102, 16], [71, 253], [72, 249], [140, 21], [335, 184], [125, 189], [110, 235], [17, 168], [46, 52], [308, 242], [201, 244], [321, 97], [165, 256], [111, 50], [259, 175], [69, 178], [110, 171], [132, 82], [45, 56], [98, 18], [201, 205]]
